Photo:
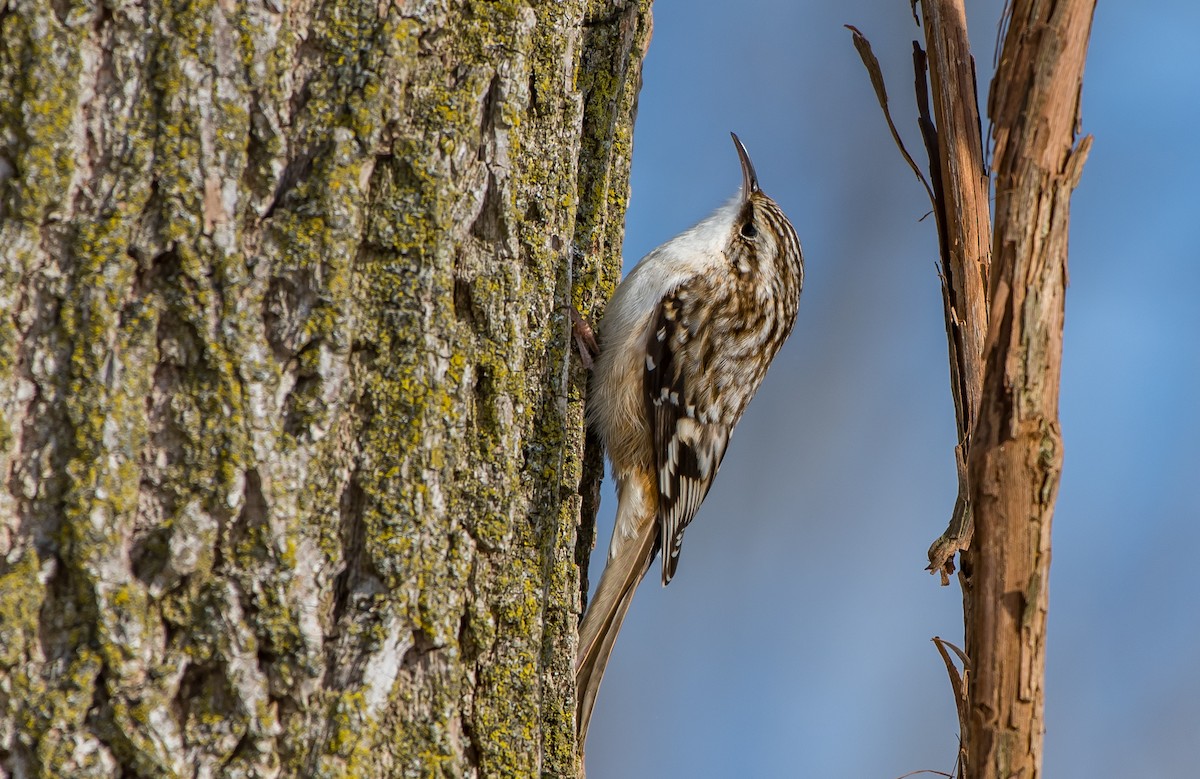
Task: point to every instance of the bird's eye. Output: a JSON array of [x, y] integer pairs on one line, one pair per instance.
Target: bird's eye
[[749, 230]]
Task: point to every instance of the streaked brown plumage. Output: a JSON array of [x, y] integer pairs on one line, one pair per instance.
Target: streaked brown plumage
[[684, 345]]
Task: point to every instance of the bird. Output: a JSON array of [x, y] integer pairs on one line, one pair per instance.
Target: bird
[[684, 343]]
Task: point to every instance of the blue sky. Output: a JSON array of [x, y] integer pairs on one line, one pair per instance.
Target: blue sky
[[794, 640]]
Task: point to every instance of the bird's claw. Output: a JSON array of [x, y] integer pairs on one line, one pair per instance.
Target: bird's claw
[[585, 339]]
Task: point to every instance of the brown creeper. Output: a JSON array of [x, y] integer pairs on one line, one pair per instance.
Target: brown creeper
[[684, 344]]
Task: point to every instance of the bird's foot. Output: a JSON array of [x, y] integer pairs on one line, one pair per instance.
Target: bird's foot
[[585, 339]]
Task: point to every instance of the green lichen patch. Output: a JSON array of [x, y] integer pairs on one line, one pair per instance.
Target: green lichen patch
[[37, 107], [21, 595], [54, 705]]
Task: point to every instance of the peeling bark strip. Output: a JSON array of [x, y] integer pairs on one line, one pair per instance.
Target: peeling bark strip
[[1016, 458], [292, 449], [961, 184], [957, 187]]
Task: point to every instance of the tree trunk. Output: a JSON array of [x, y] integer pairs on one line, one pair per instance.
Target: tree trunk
[[291, 440]]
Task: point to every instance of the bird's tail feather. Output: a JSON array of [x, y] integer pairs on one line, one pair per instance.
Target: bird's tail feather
[[606, 612]]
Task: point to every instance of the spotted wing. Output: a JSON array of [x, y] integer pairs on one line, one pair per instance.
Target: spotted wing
[[689, 441]]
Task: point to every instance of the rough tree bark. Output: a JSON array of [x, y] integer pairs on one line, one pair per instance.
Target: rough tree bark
[[1004, 309], [291, 439]]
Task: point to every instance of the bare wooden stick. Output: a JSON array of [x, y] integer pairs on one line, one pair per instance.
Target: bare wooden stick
[[1016, 454], [1004, 326]]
